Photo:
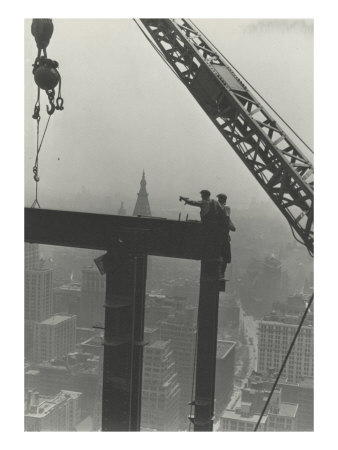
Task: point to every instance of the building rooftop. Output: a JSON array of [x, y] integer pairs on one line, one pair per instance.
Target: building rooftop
[[158, 344], [56, 319], [231, 414], [69, 287], [306, 382], [32, 372], [287, 319], [287, 410], [46, 404], [224, 347]]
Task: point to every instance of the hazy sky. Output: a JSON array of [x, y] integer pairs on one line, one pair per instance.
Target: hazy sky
[[125, 111]]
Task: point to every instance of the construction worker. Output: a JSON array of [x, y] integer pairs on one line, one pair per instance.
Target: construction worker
[[226, 226], [211, 218], [208, 206]]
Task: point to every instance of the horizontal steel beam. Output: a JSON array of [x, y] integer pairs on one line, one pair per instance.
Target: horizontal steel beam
[[170, 238]]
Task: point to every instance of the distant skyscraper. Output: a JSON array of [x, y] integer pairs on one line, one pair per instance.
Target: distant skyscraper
[[67, 298], [38, 293], [160, 390], [54, 337], [31, 256], [38, 296], [93, 291], [142, 207], [121, 211], [225, 369], [180, 329], [276, 332]]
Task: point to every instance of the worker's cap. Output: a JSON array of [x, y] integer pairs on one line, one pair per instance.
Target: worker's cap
[[205, 191], [222, 196]]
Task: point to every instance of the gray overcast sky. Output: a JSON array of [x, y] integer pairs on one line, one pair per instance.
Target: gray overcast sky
[[125, 111]]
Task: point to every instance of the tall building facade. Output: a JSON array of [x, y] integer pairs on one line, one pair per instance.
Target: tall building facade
[[225, 370], [54, 337], [180, 329], [93, 291], [160, 390], [275, 333], [142, 207], [67, 298], [38, 293], [31, 256]]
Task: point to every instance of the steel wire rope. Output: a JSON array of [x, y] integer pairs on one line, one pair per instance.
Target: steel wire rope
[[36, 165], [300, 242], [284, 362], [266, 102]]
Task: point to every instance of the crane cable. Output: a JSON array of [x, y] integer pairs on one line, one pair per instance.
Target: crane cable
[[266, 102], [300, 242], [38, 148], [284, 362]]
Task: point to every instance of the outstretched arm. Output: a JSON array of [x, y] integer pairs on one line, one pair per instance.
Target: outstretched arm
[[187, 201]]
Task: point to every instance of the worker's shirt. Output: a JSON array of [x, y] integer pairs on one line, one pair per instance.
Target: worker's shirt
[[225, 213], [203, 204], [225, 209]]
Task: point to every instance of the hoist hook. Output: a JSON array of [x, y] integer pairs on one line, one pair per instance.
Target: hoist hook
[[51, 95], [59, 104], [52, 108]]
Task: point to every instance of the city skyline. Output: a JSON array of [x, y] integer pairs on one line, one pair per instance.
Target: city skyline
[[163, 310], [267, 263]]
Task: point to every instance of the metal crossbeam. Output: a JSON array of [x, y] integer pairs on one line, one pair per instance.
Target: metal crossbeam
[[254, 134], [169, 238]]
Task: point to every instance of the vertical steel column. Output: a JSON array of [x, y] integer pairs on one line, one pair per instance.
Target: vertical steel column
[[206, 345], [123, 337], [139, 310]]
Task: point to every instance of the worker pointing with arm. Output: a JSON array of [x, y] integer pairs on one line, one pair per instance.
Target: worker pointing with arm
[[205, 204]]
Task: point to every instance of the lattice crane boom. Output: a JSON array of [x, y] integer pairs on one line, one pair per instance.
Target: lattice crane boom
[[272, 157]]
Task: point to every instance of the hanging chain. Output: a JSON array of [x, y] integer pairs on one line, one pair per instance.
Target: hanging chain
[[47, 78], [37, 117]]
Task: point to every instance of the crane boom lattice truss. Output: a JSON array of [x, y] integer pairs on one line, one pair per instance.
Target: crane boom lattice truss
[[275, 161]]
